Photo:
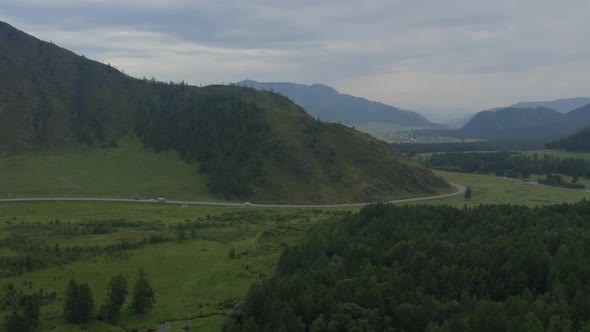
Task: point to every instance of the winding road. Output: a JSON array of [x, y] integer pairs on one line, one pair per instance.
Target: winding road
[[460, 191]]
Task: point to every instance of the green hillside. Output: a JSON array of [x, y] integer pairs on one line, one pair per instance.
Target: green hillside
[[249, 144], [579, 141], [126, 171]]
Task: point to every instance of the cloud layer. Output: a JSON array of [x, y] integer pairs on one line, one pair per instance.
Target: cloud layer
[[409, 53]]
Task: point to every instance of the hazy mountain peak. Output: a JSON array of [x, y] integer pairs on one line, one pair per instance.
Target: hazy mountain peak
[[325, 102], [562, 105]]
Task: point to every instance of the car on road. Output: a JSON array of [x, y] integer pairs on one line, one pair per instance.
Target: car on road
[[161, 200]]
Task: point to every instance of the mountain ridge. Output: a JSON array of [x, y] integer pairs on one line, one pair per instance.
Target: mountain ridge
[[562, 105], [532, 124], [330, 105]]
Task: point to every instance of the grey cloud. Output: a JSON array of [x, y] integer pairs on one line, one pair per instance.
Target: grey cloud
[[394, 46]]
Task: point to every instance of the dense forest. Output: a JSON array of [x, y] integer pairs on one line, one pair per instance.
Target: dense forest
[[508, 164], [412, 149], [220, 130], [433, 268], [580, 141]]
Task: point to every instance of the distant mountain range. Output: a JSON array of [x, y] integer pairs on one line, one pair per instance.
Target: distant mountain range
[[533, 124], [324, 102], [563, 105]]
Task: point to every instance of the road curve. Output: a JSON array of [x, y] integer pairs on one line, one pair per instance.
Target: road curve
[[460, 191]]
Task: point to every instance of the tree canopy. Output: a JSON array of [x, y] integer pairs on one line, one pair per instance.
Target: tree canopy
[[433, 268]]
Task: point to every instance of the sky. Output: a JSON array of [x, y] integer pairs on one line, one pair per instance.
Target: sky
[[452, 55]]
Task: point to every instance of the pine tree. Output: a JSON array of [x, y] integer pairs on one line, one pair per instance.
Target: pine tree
[[71, 303], [468, 193], [79, 304], [16, 322], [143, 297], [85, 303], [250, 326], [116, 294], [31, 309]]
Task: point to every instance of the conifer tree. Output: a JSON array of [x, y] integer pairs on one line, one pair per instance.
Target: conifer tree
[[143, 297], [71, 302], [116, 294], [85, 303]]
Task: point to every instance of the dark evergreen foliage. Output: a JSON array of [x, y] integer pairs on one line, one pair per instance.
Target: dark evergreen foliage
[[116, 294], [508, 164], [85, 303], [71, 302], [221, 131], [580, 141], [26, 317], [390, 268], [143, 296], [468, 193], [79, 303]]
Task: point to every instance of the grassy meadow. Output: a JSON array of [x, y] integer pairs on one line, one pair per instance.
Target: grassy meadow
[[490, 189], [193, 276], [126, 171]]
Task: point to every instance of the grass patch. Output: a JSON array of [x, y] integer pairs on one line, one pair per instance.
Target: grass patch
[[492, 189], [193, 278], [126, 171]]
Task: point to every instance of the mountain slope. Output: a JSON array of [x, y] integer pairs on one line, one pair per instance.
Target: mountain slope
[[506, 121], [329, 105], [531, 124], [579, 142], [562, 105], [251, 144]]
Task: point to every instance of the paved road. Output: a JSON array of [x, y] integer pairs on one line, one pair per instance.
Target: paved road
[[460, 191]]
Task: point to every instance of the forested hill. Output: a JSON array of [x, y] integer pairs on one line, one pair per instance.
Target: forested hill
[[579, 141], [329, 105], [532, 124], [252, 144], [427, 268], [492, 122]]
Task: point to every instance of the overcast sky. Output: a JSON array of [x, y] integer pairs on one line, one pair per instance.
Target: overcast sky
[[452, 54]]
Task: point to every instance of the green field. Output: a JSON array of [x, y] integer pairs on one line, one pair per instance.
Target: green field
[[192, 275], [493, 189], [126, 171]]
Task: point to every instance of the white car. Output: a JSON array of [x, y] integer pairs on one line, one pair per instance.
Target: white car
[[161, 200], [248, 204]]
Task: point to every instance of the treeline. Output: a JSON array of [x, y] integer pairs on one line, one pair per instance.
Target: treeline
[[412, 149], [507, 164], [431, 268], [79, 305], [580, 141], [219, 130]]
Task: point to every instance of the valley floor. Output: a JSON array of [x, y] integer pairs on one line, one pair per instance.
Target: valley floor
[[184, 250]]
